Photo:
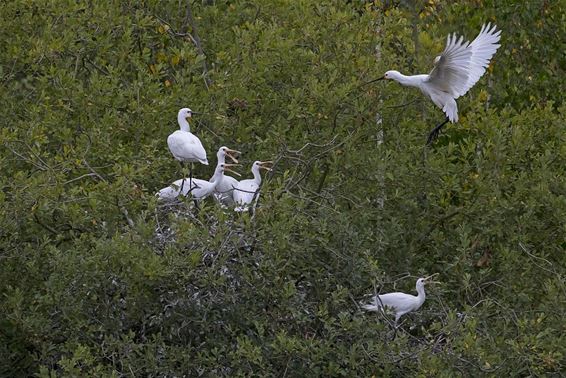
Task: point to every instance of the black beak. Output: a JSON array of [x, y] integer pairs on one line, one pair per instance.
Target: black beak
[[374, 80]]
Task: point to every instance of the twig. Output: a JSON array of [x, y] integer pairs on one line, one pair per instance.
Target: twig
[[128, 219], [403, 105], [47, 227], [94, 173], [526, 250], [439, 221], [41, 168], [80, 177], [298, 152], [189, 20]]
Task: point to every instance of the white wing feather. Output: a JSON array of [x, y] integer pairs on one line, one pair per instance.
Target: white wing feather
[[186, 146], [397, 301], [461, 64], [244, 193], [483, 48]]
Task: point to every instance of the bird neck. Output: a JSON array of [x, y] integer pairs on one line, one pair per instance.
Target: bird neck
[[220, 157], [421, 296], [218, 175], [257, 175], [183, 123], [408, 81]]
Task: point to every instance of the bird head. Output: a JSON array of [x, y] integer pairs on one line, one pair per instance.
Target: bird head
[[225, 151], [426, 280], [390, 75], [185, 113], [225, 168], [168, 194], [264, 165]]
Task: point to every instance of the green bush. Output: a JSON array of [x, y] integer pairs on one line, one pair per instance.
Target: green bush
[[100, 279]]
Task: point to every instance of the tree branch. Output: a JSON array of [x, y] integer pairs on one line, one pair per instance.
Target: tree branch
[[189, 20]]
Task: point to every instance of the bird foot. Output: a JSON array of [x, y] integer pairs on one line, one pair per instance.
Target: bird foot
[[435, 132]]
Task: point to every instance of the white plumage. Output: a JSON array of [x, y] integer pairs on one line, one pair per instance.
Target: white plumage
[[184, 145], [223, 193], [246, 190], [455, 71], [200, 188], [401, 303]]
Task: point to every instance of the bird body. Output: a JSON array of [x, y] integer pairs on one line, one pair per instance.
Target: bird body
[[223, 193], [401, 303], [184, 145], [198, 188], [455, 71], [246, 190]]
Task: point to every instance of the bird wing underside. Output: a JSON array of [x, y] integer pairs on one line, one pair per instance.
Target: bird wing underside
[[461, 64], [483, 48], [450, 73]]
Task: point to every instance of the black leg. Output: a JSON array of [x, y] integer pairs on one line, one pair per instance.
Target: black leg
[[182, 182], [190, 179], [434, 133], [191, 176]]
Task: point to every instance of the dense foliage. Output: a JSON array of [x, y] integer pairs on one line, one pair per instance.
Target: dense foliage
[[99, 279]]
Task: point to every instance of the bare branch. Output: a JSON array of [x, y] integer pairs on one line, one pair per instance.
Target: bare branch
[[189, 20]]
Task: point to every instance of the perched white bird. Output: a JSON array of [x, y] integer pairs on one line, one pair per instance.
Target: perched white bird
[[401, 303], [198, 189], [455, 71], [246, 190], [184, 145], [223, 193]]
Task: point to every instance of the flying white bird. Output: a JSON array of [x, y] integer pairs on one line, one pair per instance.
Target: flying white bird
[[184, 145], [198, 189], [246, 190], [455, 71], [223, 193], [401, 303]]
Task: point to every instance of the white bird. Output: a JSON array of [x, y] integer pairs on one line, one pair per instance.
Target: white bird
[[246, 190], [401, 303], [455, 71], [223, 193], [184, 145], [199, 189]]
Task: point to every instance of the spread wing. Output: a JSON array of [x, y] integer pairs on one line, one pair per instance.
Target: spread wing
[[483, 48], [461, 64]]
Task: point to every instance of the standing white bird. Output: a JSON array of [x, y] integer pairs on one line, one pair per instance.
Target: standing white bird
[[455, 71], [223, 193], [184, 145], [401, 303], [199, 189], [246, 190]]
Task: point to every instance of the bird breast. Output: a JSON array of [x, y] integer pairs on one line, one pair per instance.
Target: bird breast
[[227, 184]]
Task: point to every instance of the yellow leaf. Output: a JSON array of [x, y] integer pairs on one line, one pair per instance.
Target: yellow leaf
[[167, 83], [175, 60], [161, 57]]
